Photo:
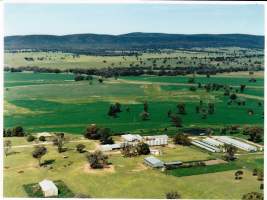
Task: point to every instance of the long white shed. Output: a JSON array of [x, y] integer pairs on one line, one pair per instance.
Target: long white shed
[[236, 143]]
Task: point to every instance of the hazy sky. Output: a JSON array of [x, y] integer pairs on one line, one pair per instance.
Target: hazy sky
[[60, 19]]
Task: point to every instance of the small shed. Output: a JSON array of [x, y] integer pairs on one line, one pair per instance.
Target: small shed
[[110, 147], [48, 188], [153, 162]]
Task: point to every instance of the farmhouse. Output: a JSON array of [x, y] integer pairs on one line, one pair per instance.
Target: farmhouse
[[153, 162], [48, 188], [155, 152]]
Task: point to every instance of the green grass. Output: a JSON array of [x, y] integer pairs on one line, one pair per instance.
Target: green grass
[[59, 104], [34, 190], [179, 172]]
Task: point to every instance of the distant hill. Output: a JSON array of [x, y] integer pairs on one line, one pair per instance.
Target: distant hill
[[130, 41]]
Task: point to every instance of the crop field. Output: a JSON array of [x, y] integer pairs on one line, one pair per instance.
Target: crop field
[[54, 102], [167, 58], [126, 177]]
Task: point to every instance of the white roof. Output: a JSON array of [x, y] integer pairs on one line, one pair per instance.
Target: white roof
[[47, 185], [45, 134], [131, 137], [154, 161]]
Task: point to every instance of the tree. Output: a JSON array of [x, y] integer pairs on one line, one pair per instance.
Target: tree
[[233, 96], [253, 196], [39, 152], [105, 136], [7, 147], [255, 133], [30, 138], [238, 174], [230, 152], [242, 87], [181, 108], [173, 195], [143, 148], [182, 139], [59, 142], [42, 138], [92, 132], [260, 175], [18, 131], [146, 107], [97, 159], [144, 116], [211, 108], [176, 120], [129, 150], [80, 148]]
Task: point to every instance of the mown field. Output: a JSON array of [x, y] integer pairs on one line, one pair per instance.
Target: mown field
[[126, 177], [54, 102]]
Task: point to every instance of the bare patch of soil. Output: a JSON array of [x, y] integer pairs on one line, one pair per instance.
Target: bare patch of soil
[[108, 169]]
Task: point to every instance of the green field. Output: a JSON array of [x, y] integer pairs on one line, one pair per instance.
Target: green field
[[54, 102]]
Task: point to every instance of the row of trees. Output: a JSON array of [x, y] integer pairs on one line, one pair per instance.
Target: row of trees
[[136, 70], [17, 131]]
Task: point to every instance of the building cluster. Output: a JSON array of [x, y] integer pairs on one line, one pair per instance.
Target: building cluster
[[133, 139]]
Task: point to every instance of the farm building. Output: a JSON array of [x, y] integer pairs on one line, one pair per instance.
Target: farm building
[[48, 136], [213, 142], [156, 140], [110, 147], [48, 188], [153, 162], [236, 143], [131, 138], [205, 146]]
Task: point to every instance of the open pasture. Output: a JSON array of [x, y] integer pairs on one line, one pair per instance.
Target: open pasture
[[167, 58], [54, 102]]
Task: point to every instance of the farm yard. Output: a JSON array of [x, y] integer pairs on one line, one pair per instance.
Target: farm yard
[[126, 177]]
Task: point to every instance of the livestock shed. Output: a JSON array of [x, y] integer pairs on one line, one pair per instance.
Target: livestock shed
[[213, 142], [131, 138], [48, 188], [236, 143], [153, 162], [156, 140], [205, 146]]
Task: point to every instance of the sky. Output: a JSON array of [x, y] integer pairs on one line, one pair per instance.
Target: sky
[[62, 19]]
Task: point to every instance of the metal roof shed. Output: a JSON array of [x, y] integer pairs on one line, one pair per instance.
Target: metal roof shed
[[48, 188], [153, 162]]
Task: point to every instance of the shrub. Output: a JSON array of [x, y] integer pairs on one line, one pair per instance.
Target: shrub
[[253, 196], [173, 195], [42, 138], [80, 148]]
